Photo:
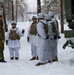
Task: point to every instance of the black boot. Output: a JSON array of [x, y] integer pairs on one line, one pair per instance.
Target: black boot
[[16, 58], [2, 60], [38, 64], [11, 58], [55, 59], [33, 58], [37, 58], [49, 61]]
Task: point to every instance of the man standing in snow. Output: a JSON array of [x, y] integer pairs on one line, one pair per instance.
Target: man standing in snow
[[2, 40], [52, 32], [13, 40], [42, 30], [31, 38], [56, 35]]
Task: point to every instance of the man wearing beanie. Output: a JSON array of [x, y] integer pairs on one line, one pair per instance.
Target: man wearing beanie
[[42, 30], [13, 40], [31, 38]]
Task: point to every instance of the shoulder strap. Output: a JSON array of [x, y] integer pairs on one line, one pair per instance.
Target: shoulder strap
[[42, 22], [45, 27], [57, 24]]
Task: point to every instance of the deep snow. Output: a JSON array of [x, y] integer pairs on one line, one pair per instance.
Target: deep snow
[[65, 65]]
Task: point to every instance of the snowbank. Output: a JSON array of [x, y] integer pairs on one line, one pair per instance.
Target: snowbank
[[65, 65]]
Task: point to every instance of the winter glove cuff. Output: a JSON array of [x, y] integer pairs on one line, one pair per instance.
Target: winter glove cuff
[[23, 30], [6, 42], [28, 39], [55, 37], [59, 37], [47, 37]]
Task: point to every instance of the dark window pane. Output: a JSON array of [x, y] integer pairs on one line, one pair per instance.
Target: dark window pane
[[72, 7]]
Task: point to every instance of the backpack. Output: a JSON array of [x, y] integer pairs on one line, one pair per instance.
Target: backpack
[[54, 29]]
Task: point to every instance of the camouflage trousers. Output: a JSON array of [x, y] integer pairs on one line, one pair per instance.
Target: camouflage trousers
[[1, 50]]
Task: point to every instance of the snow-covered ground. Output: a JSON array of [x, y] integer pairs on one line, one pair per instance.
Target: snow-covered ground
[[65, 65]]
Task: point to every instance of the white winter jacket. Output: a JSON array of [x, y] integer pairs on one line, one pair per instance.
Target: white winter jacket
[[14, 43], [41, 40]]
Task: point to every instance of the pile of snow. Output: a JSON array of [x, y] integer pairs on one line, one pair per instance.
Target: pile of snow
[[65, 65]]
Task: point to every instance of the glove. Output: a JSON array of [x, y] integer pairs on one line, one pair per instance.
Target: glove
[[6, 42], [23, 30], [47, 37], [55, 37], [28, 39], [59, 37]]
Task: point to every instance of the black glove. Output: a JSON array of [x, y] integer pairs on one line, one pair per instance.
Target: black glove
[[28, 39], [59, 37], [6, 42], [47, 37], [23, 30], [55, 37]]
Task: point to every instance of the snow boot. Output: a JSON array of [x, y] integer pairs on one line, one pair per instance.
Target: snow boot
[[16, 58], [49, 61], [38, 64], [11, 58], [2, 60], [37, 58], [33, 58], [55, 59]]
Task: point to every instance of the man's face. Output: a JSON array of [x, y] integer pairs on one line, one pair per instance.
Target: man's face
[[13, 26], [34, 20]]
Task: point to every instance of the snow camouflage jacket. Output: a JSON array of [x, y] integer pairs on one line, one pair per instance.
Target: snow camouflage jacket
[[45, 27], [42, 28], [14, 43]]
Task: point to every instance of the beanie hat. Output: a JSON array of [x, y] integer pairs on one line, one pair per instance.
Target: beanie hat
[[52, 13], [34, 17], [13, 22], [48, 17], [41, 15]]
